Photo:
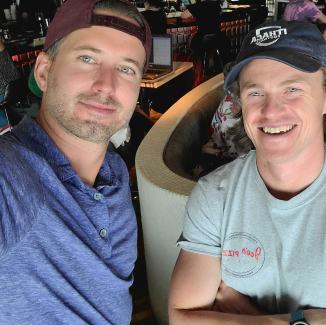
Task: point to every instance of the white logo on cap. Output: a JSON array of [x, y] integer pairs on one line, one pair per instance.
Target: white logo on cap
[[268, 35]]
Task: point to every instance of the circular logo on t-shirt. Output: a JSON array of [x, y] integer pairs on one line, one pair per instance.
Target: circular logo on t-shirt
[[243, 255]]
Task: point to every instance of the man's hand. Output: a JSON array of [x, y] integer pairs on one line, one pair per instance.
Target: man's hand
[[231, 301]]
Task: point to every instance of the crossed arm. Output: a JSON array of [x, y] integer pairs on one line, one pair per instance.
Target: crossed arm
[[2, 47], [322, 18], [198, 296], [186, 14]]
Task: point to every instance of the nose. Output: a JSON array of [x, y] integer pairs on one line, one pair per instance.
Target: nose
[[105, 81], [272, 107]]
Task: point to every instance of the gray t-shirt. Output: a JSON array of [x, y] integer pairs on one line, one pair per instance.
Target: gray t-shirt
[[271, 250]]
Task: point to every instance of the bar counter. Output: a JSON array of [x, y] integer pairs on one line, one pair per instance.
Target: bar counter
[[236, 21], [253, 14]]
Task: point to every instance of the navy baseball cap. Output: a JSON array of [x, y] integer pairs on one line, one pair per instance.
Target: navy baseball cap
[[298, 44]]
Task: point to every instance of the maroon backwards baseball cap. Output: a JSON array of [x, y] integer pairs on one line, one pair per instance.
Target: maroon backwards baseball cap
[[78, 14]]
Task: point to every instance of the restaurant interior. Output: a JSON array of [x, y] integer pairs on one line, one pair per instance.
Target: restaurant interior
[[175, 111]]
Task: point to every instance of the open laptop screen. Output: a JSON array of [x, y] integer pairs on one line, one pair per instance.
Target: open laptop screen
[[161, 53]]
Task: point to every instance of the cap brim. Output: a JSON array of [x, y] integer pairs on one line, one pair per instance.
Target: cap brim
[[294, 59]]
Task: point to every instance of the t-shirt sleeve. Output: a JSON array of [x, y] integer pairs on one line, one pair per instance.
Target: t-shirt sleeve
[[313, 11], [302, 10], [201, 232]]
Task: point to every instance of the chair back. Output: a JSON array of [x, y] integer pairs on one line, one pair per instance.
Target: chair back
[[16, 93]]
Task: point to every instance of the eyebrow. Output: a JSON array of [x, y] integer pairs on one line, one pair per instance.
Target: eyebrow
[[292, 81], [136, 63], [96, 50], [88, 48], [248, 85]]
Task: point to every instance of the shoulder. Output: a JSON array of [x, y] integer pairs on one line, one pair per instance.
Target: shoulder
[[310, 4], [229, 176], [19, 163], [311, 10], [21, 193], [146, 13], [161, 13], [150, 13], [316, 9], [295, 3], [158, 14], [11, 150]]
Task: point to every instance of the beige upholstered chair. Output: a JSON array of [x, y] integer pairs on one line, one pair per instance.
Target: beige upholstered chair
[[164, 163]]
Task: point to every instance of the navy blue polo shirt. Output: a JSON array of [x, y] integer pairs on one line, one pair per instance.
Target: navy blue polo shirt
[[67, 250]]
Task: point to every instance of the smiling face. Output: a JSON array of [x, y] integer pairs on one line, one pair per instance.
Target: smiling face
[[282, 110], [91, 89]]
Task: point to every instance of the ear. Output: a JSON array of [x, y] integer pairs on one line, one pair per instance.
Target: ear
[[41, 70]]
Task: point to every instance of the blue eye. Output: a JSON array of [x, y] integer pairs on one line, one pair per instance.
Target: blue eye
[[255, 93], [292, 90], [126, 70], [87, 59]]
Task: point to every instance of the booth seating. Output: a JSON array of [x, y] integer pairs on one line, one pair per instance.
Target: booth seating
[[164, 164]]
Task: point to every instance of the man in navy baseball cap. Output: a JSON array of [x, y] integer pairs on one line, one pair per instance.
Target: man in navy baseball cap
[[68, 232], [295, 43], [254, 229]]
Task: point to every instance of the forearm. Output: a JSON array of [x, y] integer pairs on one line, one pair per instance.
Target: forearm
[[208, 317], [321, 19], [2, 47], [186, 14]]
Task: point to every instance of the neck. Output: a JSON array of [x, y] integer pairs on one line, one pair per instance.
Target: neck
[[84, 156], [286, 180]]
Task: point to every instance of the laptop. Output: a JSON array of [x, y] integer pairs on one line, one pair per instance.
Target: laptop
[[161, 57]]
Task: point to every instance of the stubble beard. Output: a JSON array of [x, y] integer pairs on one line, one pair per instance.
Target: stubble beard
[[97, 128]]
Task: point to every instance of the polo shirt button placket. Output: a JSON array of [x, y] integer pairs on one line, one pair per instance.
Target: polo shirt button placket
[[103, 233], [97, 196]]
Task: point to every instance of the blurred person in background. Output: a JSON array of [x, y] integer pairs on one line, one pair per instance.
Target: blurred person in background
[[155, 16], [8, 73], [304, 10], [221, 147], [28, 8], [207, 13]]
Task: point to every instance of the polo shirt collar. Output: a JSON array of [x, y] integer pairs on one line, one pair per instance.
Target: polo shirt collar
[[34, 138]]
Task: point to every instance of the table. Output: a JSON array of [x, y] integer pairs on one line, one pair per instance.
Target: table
[[179, 68]]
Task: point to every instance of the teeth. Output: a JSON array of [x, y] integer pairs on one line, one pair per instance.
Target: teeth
[[278, 130]]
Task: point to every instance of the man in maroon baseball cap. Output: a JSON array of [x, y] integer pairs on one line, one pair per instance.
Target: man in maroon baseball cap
[[68, 234]]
